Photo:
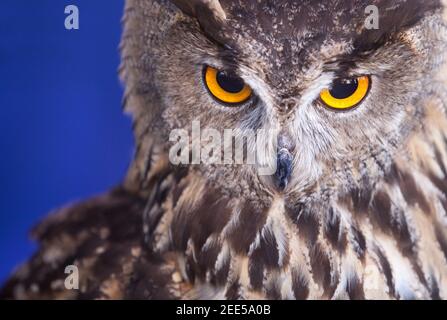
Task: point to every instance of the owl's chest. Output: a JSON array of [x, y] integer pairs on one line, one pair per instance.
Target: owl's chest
[[306, 252]]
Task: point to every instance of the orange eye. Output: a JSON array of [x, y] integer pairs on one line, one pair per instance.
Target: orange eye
[[346, 93], [225, 87]]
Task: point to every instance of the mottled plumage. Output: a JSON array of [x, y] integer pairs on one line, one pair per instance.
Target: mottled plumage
[[364, 214]]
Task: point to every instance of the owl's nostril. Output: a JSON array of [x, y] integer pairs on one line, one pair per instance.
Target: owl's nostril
[[287, 105]]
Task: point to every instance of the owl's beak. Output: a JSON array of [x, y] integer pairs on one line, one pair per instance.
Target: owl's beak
[[283, 168]]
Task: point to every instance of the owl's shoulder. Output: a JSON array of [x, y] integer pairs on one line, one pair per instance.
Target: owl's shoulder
[[101, 239]]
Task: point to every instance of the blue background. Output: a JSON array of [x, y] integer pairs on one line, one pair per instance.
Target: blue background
[[63, 136]]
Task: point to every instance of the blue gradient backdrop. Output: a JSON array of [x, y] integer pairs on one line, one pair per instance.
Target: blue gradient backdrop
[[62, 133]]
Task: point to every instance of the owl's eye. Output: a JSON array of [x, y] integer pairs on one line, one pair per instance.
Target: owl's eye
[[225, 87], [346, 93]]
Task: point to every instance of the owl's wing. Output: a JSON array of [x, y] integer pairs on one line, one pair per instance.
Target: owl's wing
[[103, 238]]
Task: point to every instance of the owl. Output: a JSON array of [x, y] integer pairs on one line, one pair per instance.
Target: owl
[[356, 206]]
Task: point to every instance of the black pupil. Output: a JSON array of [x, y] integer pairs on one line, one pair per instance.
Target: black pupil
[[344, 88], [230, 83]]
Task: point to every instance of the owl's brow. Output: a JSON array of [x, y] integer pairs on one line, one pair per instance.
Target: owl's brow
[[364, 46], [228, 55]]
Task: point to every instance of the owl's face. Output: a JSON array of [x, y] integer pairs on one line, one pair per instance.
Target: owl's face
[[334, 94]]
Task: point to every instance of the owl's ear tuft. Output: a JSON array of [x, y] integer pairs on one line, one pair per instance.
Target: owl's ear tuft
[[209, 14], [199, 8]]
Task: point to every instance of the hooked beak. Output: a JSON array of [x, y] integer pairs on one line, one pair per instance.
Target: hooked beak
[[283, 169]]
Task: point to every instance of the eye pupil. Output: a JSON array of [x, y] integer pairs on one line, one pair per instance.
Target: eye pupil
[[229, 83], [344, 88]]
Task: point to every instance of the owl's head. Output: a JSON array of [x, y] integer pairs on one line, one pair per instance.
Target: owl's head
[[337, 85]]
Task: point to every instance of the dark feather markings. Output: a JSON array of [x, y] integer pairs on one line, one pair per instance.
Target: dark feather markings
[[361, 199], [221, 275], [392, 221], [251, 221], [273, 291], [442, 239], [380, 211], [206, 259], [411, 192], [386, 269], [358, 242], [434, 288], [355, 288], [232, 292], [306, 221], [269, 250], [334, 231], [159, 191], [300, 285], [321, 269], [256, 270], [209, 218], [265, 256], [440, 183]]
